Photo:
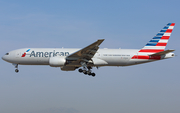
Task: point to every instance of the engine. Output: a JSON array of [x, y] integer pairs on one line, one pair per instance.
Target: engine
[[57, 61]]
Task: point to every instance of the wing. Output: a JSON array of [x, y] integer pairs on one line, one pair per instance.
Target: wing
[[84, 54], [162, 53]]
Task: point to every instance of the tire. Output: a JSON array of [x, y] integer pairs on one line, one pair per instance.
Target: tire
[[89, 73], [93, 74], [16, 70], [80, 70], [85, 72]]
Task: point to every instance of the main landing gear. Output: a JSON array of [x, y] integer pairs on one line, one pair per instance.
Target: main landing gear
[[86, 70], [16, 66]]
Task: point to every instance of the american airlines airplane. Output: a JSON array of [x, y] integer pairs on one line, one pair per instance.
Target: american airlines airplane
[[92, 56]]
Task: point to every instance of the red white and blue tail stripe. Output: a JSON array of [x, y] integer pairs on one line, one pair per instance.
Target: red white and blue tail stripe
[[157, 44]]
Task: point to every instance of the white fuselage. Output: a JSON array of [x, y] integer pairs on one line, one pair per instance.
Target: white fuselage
[[103, 57]]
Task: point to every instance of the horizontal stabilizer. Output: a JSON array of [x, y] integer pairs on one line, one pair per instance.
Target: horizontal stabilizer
[[162, 53]]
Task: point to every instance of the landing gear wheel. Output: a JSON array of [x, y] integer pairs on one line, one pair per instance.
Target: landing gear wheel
[[16, 70], [93, 74], [85, 72], [80, 70], [86, 69], [89, 73]]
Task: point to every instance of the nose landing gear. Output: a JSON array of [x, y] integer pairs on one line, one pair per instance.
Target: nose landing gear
[[16, 66]]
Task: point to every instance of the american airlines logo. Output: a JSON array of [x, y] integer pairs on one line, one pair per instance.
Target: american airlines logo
[[44, 54]]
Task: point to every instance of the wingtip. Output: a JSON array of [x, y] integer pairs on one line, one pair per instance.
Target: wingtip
[[101, 39]]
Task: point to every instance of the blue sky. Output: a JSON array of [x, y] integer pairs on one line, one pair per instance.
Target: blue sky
[[147, 88]]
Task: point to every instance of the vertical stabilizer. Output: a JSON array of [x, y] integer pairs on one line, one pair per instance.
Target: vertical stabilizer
[[156, 45], [159, 42]]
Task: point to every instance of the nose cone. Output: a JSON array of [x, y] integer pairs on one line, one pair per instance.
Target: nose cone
[[4, 58]]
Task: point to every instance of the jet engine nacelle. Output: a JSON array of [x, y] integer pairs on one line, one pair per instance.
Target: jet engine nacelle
[[57, 61]]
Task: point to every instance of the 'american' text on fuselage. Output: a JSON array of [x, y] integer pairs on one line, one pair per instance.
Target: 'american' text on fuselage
[[48, 54]]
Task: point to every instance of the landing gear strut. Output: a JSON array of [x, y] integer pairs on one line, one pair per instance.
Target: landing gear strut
[[16, 66], [86, 69]]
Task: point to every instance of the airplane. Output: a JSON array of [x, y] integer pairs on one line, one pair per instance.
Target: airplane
[[91, 56]]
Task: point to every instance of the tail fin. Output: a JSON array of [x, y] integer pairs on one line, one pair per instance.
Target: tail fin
[[159, 42]]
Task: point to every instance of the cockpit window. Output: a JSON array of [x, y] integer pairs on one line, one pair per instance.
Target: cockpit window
[[7, 54]]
